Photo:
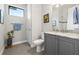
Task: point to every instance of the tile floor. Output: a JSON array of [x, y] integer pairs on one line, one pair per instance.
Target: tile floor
[[21, 49]]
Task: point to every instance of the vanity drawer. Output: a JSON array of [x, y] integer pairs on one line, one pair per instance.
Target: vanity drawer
[[65, 39], [49, 35]]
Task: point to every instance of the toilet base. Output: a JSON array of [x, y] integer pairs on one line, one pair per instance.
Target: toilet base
[[38, 49], [38, 44]]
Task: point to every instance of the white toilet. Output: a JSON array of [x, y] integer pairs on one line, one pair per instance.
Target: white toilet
[[39, 42]]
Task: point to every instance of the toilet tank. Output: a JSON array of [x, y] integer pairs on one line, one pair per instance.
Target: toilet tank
[[42, 35]]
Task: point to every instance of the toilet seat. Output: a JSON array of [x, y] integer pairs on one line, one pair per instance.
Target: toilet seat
[[38, 42]]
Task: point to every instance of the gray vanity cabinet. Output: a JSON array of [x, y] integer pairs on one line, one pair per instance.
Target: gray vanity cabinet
[[59, 45], [66, 47], [76, 47], [50, 44]]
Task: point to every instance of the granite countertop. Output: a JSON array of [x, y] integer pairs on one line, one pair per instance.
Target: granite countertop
[[70, 35]]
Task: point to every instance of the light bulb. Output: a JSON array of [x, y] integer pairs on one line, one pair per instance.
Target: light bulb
[[57, 5]]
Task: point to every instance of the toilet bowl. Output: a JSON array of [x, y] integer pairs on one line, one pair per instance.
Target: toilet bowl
[[38, 42]]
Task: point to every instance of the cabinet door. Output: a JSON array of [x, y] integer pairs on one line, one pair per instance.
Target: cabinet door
[[76, 47], [66, 48], [50, 44]]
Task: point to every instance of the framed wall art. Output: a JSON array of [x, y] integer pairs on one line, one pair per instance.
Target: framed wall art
[[46, 18]]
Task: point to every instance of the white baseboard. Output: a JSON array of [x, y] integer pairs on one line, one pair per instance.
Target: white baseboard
[[20, 42], [2, 50]]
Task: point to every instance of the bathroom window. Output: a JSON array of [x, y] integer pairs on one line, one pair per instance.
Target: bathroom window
[[15, 11]]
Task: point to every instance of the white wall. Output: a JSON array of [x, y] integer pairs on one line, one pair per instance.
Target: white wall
[[47, 9], [29, 24], [1, 32], [18, 35], [55, 16], [34, 22]]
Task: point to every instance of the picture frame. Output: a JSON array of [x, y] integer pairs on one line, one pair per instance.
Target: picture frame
[[1, 17], [46, 18]]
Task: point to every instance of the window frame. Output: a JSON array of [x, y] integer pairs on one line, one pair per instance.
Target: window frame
[[17, 8]]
